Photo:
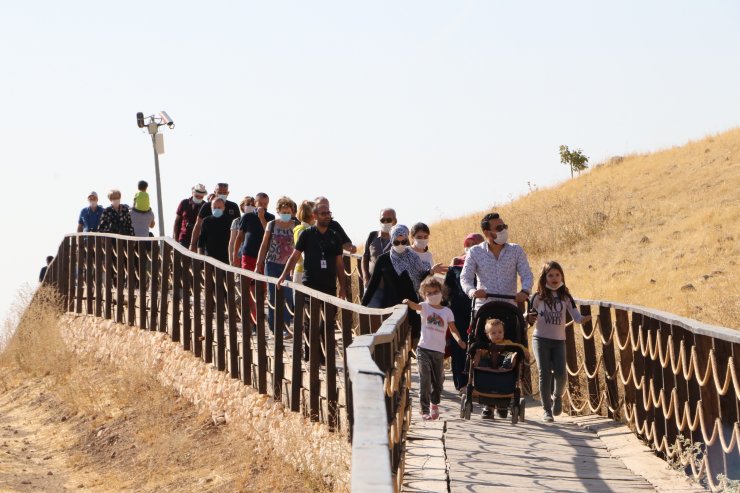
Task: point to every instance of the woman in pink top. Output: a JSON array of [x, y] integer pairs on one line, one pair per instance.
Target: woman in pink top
[[277, 247]]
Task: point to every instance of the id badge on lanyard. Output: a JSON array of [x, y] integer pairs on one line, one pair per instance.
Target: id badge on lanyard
[[323, 263]]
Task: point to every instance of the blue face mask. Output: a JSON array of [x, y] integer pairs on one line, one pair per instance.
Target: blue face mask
[[218, 212], [284, 217]]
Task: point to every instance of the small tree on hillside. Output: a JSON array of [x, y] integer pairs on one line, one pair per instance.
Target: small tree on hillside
[[575, 159]]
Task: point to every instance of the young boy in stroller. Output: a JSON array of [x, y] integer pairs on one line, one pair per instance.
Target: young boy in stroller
[[495, 362]]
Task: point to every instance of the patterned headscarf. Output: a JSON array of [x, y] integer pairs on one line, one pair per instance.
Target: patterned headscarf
[[407, 261]]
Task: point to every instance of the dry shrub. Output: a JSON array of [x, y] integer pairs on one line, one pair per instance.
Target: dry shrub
[[34, 343]]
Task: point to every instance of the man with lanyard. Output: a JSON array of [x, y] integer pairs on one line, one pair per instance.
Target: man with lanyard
[[322, 263], [494, 264], [231, 212], [90, 216], [187, 215]]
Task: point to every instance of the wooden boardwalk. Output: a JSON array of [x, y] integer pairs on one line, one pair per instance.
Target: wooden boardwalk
[[483, 455]]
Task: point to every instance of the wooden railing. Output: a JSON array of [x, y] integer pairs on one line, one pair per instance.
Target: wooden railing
[[667, 377], [329, 370], [673, 380]]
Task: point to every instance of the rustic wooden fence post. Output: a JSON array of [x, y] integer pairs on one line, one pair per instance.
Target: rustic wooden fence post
[[99, 261], [164, 286], [89, 274], [278, 369], [187, 289], [120, 278], [144, 279], [80, 270], [209, 302], [220, 319], [314, 359], [246, 352], [296, 380], [176, 295], [131, 280], [197, 308], [156, 275], [330, 316], [261, 341], [232, 339]]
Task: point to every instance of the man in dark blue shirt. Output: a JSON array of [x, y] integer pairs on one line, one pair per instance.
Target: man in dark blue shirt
[[251, 231], [90, 216]]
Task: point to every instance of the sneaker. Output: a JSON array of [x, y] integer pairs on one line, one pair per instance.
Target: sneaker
[[435, 411], [487, 412], [547, 417], [426, 417], [557, 406]]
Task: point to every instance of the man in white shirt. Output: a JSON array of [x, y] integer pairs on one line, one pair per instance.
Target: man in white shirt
[[492, 266]]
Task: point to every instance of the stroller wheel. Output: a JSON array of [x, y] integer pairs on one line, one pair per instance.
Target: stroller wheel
[[502, 412], [463, 401], [521, 409]]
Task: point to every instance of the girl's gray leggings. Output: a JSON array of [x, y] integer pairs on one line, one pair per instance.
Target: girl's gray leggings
[[550, 354]]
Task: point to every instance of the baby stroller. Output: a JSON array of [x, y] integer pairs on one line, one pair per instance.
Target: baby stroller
[[499, 388]]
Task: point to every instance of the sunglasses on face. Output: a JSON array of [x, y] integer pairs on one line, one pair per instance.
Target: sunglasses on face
[[386, 220], [400, 242], [501, 227], [325, 213]]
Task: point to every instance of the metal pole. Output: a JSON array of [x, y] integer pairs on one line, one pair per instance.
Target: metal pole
[[159, 187]]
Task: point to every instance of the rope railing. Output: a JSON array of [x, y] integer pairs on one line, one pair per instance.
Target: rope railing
[[218, 312], [666, 376]]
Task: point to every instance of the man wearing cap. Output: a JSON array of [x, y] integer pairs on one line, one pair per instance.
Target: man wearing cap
[[231, 212], [187, 215], [90, 216]]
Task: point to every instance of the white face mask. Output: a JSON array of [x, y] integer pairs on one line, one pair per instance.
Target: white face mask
[[249, 208], [421, 243], [501, 237], [434, 299], [386, 227], [399, 248], [467, 250], [115, 203], [556, 287], [197, 200], [223, 197]]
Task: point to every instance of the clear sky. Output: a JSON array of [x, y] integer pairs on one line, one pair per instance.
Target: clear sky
[[436, 108]]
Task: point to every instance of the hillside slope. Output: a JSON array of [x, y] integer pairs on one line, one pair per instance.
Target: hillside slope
[[660, 230]]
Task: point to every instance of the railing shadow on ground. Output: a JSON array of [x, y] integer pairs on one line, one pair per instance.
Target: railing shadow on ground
[[664, 375]]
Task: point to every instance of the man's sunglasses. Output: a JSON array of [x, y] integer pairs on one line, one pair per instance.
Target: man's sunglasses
[[402, 242], [386, 220], [501, 227]]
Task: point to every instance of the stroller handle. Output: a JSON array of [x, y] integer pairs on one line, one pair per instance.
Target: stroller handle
[[495, 295]]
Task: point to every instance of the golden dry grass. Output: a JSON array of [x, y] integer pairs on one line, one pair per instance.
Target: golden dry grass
[[69, 422], [660, 230]]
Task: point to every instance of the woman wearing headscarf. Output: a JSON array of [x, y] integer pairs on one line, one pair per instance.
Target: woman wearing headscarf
[[400, 272]]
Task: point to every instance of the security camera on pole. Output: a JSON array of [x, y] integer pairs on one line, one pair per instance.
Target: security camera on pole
[[158, 144]]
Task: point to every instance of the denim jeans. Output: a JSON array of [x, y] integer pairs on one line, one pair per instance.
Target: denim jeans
[[550, 354], [273, 269], [431, 377]]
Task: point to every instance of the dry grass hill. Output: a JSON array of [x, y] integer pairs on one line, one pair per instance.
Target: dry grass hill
[[660, 230]]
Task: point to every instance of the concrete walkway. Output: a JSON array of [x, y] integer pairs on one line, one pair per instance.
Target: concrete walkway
[[574, 454]]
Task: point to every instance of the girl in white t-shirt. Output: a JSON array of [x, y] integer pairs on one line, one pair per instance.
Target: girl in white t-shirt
[[430, 353]]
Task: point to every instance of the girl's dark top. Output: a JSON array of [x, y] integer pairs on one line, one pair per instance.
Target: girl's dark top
[[458, 301]]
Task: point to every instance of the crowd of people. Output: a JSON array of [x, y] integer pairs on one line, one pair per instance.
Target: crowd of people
[[305, 244]]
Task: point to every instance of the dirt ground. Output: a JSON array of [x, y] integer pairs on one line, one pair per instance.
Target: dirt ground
[[99, 430], [72, 423]]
